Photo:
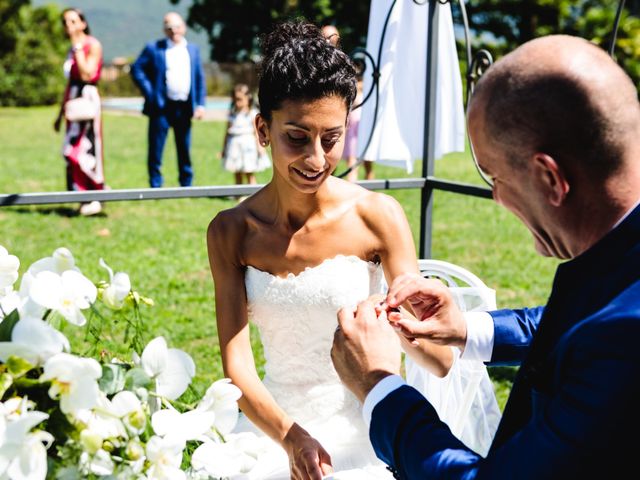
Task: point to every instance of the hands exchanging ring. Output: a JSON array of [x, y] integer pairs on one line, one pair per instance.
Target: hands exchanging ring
[[366, 347]]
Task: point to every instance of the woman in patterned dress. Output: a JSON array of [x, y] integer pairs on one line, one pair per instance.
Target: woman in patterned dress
[[82, 147]]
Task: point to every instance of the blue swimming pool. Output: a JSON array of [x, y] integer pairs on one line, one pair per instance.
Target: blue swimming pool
[[135, 104]]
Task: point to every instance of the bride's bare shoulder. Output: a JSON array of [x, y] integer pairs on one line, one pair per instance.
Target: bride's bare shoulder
[[227, 227], [230, 228], [379, 208]]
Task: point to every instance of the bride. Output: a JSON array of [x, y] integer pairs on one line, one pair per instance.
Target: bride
[[290, 256]]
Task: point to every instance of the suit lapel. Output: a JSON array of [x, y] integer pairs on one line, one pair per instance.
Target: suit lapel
[[518, 410]]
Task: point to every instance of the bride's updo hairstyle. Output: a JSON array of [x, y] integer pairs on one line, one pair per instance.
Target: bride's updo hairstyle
[[299, 64]]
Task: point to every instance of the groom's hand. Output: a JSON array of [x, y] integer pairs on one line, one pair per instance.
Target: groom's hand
[[365, 348], [439, 319]]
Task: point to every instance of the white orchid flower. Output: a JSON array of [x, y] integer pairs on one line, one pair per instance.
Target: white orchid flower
[[118, 288], [191, 425], [73, 380], [23, 454], [9, 265], [9, 302], [68, 293], [226, 460], [60, 261], [127, 406], [100, 423], [14, 407], [164, 455], [171, 368], [100, 463], [34, 340], [31, 460], [221, 398]]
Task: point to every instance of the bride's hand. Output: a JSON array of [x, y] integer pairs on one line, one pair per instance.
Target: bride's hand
[[307, 459]]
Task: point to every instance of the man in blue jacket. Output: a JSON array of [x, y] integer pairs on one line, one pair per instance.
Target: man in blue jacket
[[555, 126], [169, 74]]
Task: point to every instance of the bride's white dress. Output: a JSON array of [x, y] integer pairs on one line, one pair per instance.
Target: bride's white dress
[[296, 318]]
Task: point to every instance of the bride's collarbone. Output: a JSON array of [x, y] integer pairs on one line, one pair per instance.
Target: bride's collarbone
[[303, 221]]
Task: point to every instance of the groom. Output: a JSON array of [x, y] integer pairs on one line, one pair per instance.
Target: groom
[[555, 125]]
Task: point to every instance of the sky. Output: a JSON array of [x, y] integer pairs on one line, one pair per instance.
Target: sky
[[125, 26]]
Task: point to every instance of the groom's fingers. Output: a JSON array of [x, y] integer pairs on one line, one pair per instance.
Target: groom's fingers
[[346, 316], [325, 463], [412, 329], [313, 469], [416, 290], [398, 285]]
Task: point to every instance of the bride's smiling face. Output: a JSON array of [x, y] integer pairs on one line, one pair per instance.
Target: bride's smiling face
[[307, 139]]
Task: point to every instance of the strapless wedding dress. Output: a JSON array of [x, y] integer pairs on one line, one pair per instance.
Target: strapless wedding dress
[[296, 317]]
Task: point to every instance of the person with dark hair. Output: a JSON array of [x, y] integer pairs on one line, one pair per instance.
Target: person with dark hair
[[555, 127], [242, 153], [169, 74], [291, 255], [82, 148]]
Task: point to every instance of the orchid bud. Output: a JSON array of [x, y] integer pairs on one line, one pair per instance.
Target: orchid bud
[[134, 450], [91, 442]]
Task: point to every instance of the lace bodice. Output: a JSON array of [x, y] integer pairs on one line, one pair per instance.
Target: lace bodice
[[297, 317]]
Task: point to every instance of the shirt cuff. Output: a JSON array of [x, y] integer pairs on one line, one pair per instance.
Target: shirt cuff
[[383, 388], [480, 336]]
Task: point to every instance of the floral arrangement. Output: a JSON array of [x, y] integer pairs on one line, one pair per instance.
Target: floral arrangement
[[68, 416]]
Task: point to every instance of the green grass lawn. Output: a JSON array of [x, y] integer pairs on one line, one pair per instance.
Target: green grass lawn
[[161, 243]]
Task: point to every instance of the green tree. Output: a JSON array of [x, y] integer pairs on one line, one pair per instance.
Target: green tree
[[234, 26], [502, 25], [32, 49]]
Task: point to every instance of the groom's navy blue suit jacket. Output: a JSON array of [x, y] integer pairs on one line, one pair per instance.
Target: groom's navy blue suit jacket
[[149, 71], [574, 409]]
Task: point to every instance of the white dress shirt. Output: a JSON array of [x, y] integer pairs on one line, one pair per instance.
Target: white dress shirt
[[178, 74], [479, 346]]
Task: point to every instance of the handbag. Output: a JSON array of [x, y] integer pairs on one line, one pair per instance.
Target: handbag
[[85, 107]]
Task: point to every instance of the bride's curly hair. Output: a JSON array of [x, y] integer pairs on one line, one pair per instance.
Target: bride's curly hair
[[299, 64]]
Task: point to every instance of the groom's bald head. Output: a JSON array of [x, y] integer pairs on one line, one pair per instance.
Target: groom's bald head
[[563, 96]]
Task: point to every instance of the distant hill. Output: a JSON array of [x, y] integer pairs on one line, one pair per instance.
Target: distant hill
[[124, 26]]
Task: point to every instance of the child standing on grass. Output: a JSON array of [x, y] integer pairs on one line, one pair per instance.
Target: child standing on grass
[[242, 154]]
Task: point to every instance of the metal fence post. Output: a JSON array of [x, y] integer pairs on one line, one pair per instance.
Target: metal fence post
[[428, 150]]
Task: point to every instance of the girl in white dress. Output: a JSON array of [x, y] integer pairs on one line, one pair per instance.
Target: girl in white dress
[[242, 154], [291, 255]]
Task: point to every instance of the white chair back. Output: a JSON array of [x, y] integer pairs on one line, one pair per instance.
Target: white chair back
[[471, 293], [464, 399]]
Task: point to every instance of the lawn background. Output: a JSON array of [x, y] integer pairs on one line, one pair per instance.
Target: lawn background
[[161, 243]]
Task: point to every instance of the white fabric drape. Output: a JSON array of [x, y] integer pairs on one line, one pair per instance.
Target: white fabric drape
[[398, 135]]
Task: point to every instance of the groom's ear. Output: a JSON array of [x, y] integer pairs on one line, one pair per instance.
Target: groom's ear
[[263, 129]]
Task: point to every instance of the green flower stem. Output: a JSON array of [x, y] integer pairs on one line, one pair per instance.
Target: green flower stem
[[173, 403], [28, 382]]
